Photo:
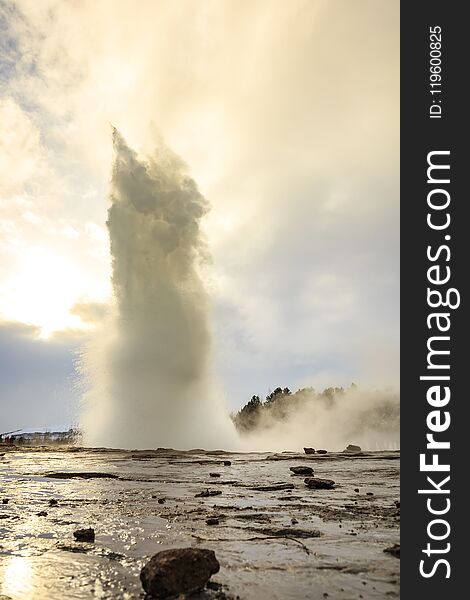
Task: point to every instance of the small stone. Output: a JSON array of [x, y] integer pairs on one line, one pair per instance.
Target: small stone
[[161, 501], [5, 501], [356, 490], [214, 474], [393, 550], [84, 535], [212, 521], [322, 451], [369, 493], [227, 463], [319, 484], [294, 521], [53, 502], [352, 448], [309, 450], [207, 493], [302, 470], [42, 513], [179, 571]]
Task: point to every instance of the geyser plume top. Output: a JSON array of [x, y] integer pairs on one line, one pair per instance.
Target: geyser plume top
[[150, 369]]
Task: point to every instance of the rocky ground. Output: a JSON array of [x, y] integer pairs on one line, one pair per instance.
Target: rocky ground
[[275, 537]]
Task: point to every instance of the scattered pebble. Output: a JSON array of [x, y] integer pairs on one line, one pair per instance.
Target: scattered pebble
[[393, 550], [319, 484], [84, 535], [207, 493], [302, 470]]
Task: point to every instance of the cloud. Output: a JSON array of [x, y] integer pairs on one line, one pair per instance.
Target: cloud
[[20, 152], [37, 377], [90, 312], [288, 116]]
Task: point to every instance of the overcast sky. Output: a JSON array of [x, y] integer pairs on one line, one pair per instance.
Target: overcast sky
[[287, 114]]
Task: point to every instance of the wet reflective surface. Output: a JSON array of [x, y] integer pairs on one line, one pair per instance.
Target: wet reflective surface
[[272, 544]]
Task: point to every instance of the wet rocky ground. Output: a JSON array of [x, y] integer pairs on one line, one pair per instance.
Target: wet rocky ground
[[275, 537]]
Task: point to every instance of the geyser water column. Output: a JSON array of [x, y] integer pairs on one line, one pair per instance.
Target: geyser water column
[[149, 368]]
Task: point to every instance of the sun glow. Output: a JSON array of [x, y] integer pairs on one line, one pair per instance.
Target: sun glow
[[42, 290], [17, 578]]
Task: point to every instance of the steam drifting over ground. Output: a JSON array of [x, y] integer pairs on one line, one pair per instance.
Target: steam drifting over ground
[[149, 368], [331, 420]]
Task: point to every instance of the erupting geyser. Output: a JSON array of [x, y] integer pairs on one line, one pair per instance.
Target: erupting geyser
[[149, 369]]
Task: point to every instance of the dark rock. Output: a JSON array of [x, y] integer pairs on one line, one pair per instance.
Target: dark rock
[[369, 493], [397, 503], [161, 501], [294, 521], [393, 550], [319, 484], [84, 535], [309, 450], [42, 513], [227, 463], [214, 474], [356, 490], [81, 475], [212, 521], [352, 448], [322, 451], [53, 502], [5, 501], [207, 493], [179, 571], [302, 470]]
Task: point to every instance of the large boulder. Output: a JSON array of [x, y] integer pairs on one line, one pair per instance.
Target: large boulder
[[302, 470], [170, 573], [319, 484]]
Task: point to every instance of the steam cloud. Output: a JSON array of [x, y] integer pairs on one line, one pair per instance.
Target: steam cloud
[[149, 369], [330, 420]]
